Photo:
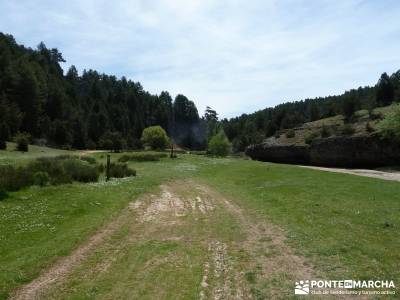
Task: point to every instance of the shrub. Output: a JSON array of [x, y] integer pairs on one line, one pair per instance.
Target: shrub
[[80, 170], [3, 194], [347, 129], [219, 144], [119, 170], [112, 140], [106, 144], [101, 168], [53, 167], [369, 127], [53, 170], [325, 132], [40, 178], [311, 137], [22, 141], [155, 137], [290, 133], [91, 160], [124, 158], [349, 108], [91, 145], [4, 135], [389, 127], [14, 178], [375, 115]]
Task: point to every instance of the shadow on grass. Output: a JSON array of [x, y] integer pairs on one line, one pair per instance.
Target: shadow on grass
[[3, 195]]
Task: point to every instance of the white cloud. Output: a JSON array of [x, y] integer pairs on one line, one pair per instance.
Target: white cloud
[[236, 56]]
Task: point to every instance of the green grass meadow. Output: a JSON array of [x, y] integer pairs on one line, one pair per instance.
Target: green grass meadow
[[346, 226]]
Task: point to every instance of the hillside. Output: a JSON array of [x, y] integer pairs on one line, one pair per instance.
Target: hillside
[[253, 128], [363, 123], [335, 141], [88, 110], [84, 110]]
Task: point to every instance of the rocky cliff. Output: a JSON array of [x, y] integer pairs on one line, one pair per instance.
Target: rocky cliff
[[339, 151]]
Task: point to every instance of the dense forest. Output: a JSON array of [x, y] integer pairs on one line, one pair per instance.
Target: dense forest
[[253, 128], [86, 111], [92, 110]]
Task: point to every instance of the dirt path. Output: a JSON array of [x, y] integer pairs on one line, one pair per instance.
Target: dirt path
[[392, 176], [252, 261], [57, 272]]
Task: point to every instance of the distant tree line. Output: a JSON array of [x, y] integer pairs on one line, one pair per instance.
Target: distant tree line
[[90, 110], [253, 128], [99, 111]]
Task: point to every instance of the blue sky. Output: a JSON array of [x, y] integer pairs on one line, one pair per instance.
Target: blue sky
[[236, 56]]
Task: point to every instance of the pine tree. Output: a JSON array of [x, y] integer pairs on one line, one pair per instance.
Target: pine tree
[[384, 90]]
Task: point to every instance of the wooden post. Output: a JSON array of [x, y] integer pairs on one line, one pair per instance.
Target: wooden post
[[172, 151], [108, 168]]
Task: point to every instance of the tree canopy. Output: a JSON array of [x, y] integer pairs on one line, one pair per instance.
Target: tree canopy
[[91, 110], [83, 110], [155, 137]]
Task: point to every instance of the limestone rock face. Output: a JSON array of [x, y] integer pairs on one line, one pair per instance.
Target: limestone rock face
[[289, 154], [339, 151], [355, 152]]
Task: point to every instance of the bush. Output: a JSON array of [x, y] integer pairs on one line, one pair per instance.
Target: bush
[[369, 127], [389, 127], [101, 168], [375, 115], [219, 144], [81, 171], [53, 170], [14, 178], [53, 167], [155, 137], [112, 140], [91, 145], [349, 108], [124, 158], [311, 137], [325, 132], [22, 141], [4, 135], [119, 170], [347, 129], [40, 178], [91, 160], [290, 133], [3, 194]]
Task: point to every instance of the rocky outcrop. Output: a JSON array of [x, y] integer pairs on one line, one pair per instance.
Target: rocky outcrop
[[355, 152], [339, 151], [289, 154]]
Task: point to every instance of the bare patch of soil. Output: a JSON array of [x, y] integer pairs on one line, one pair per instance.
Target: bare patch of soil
[[392, 176], [269, 256], [58, 271], [171, 202], [264, 255]]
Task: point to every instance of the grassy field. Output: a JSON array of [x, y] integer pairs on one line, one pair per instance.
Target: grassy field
[[11, 156], [258, 226]]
